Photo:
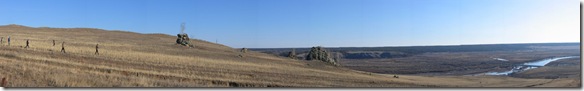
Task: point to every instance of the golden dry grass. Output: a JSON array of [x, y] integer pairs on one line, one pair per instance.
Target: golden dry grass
[[152, 60]]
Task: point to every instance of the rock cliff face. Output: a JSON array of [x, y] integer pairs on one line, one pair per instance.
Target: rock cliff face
[[372, 55], [350, 55], [319, 53]]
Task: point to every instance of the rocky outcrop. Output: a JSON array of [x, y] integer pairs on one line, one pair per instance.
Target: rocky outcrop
[[243, 50], [292, 54], [183, 39], [319, 53]]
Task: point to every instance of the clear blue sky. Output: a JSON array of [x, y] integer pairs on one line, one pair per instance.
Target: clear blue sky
[[306, 23]]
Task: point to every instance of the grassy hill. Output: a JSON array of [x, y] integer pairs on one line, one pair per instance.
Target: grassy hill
[[153, 60]]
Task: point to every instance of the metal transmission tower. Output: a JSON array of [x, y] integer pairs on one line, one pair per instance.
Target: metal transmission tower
[[182, 28]]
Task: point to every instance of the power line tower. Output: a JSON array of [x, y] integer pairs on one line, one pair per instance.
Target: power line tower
[[182, 28]]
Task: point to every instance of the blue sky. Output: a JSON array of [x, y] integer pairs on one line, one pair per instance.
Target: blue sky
[[306, 23]]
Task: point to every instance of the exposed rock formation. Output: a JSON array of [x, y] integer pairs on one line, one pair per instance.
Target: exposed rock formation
[[243, 50], [183, 39], [292, 54], [319, 53]]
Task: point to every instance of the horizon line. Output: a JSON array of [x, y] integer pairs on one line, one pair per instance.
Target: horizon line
[[310, 46], [424, 45]]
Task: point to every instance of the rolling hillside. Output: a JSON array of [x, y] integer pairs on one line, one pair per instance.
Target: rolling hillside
[[153, 60]]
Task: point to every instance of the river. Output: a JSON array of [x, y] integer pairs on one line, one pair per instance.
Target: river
[[529, 65]]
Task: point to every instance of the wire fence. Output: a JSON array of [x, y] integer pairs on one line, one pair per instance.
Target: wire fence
[[51, 45]]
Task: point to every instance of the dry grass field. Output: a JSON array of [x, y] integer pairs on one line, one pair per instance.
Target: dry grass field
[[153, 60]]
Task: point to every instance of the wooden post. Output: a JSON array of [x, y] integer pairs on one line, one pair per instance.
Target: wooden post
[[4, 82]]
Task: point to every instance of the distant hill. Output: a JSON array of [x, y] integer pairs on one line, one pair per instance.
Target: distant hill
[[404, 51]]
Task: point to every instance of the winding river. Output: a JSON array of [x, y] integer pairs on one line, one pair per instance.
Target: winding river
[[529, 65]]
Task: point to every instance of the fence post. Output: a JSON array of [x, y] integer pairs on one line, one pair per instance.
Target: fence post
[[4, 82]]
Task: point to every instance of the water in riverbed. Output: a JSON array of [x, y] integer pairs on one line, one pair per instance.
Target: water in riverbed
[[529, 65]]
